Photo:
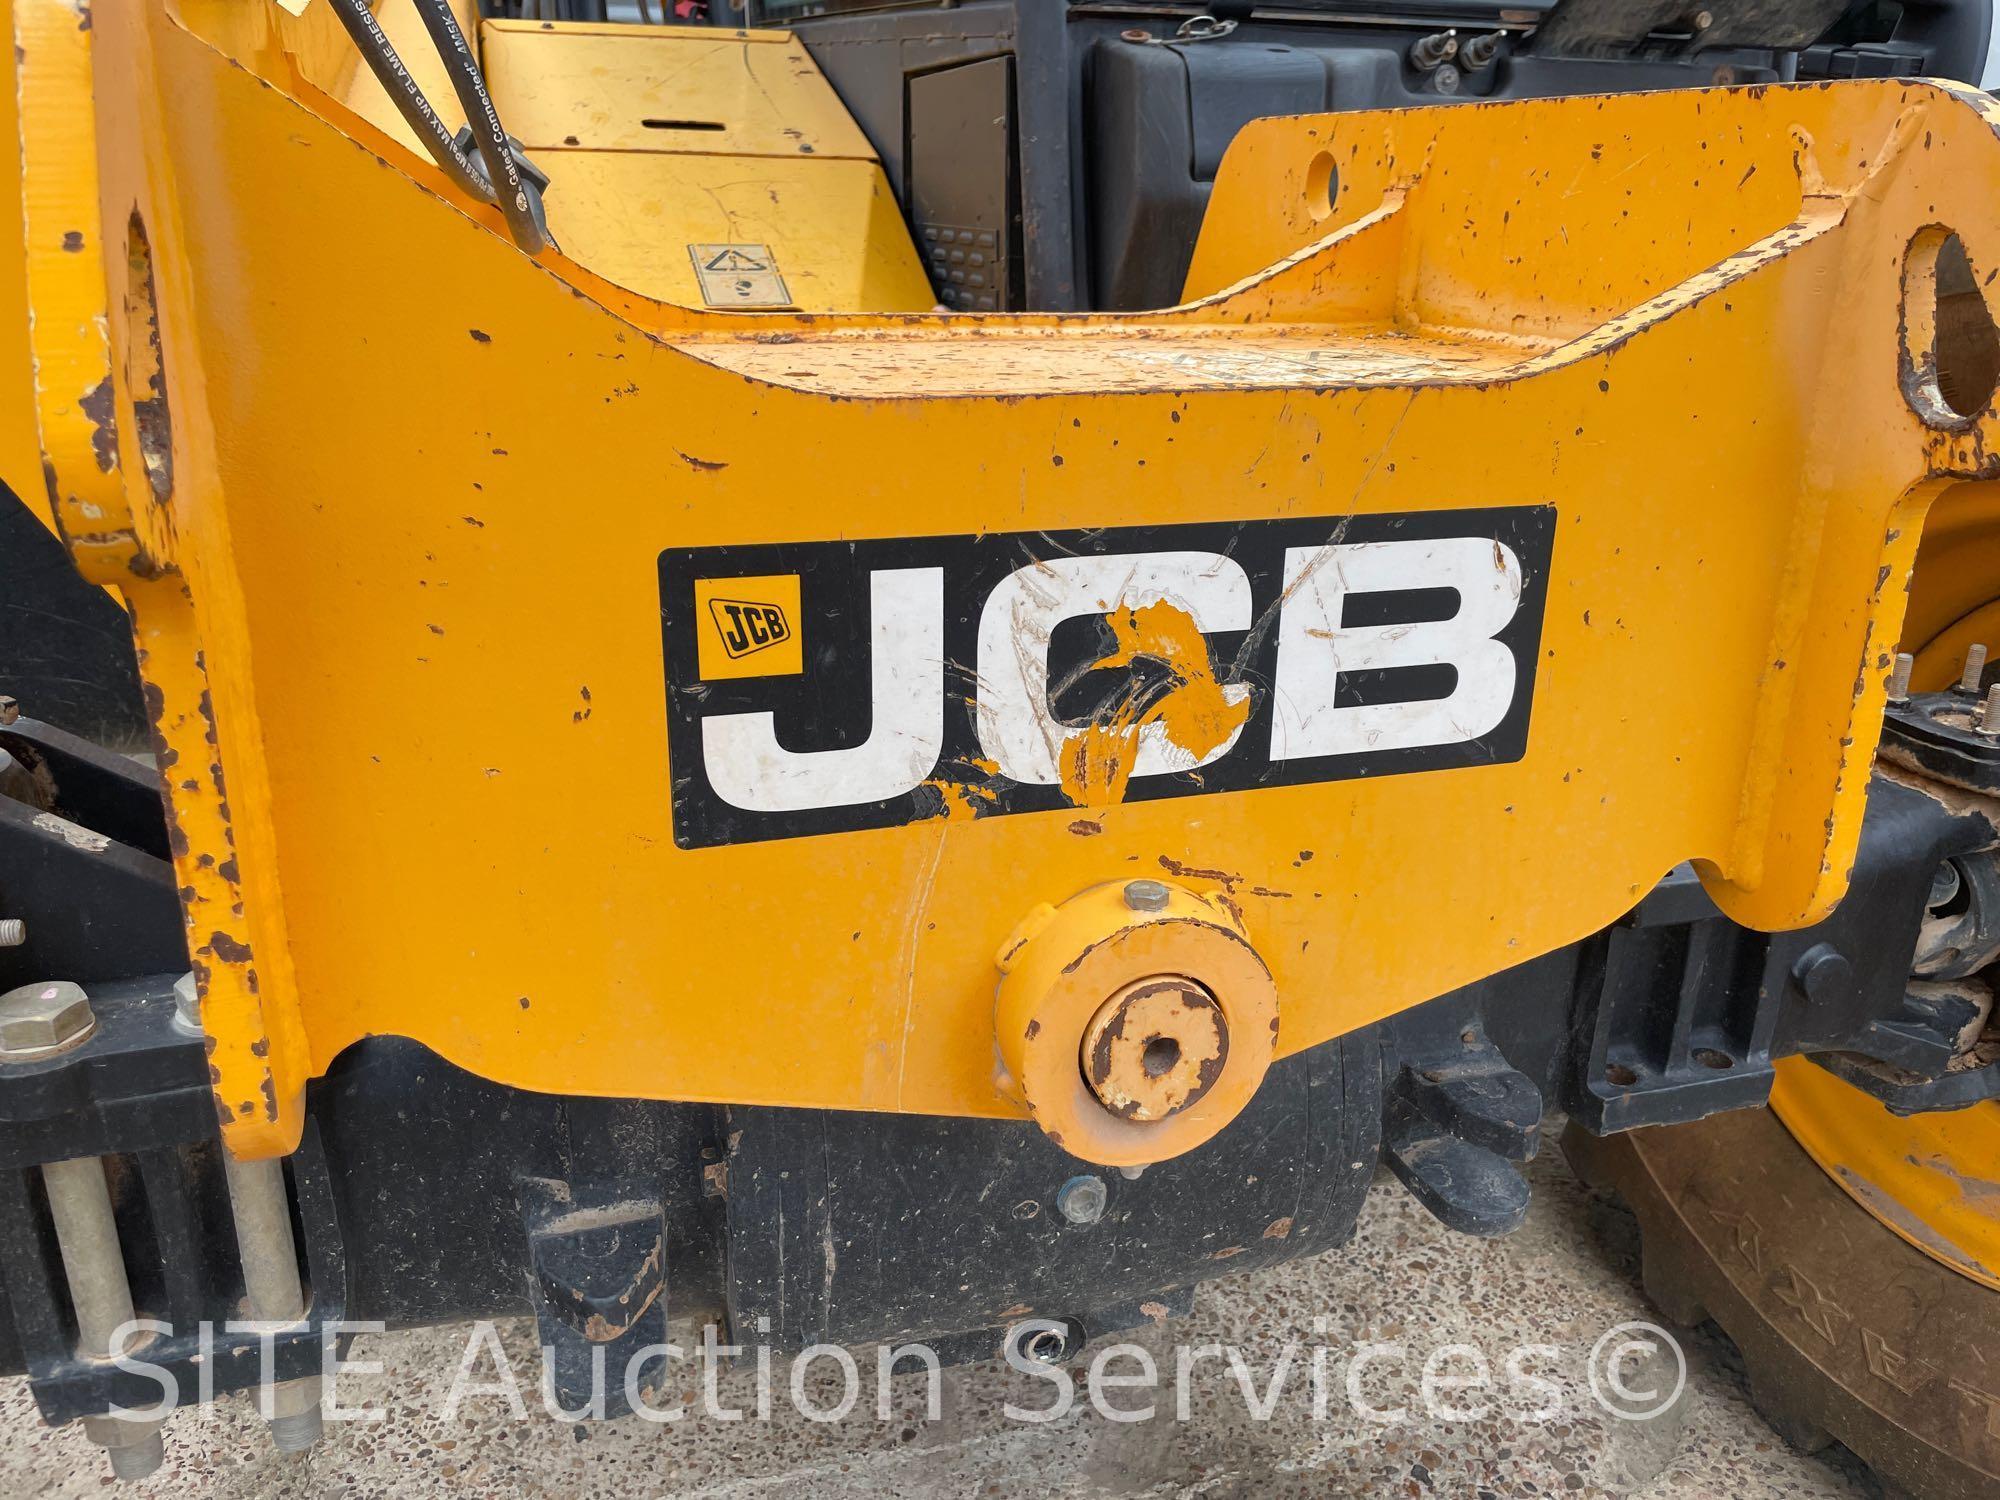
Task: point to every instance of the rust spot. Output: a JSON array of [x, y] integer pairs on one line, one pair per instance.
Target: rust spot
[[73, 240], [1034, 1030], [99, 407], [1233, 1250], [226, 948], [479, 336], [1279, 1229], [1224, 878], [701, 465], [1084, 828], [1155, 1048]]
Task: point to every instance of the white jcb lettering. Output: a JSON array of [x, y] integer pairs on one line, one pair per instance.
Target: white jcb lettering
[[749, 768], [1315, 647], [1018, 729], [1017, 726]]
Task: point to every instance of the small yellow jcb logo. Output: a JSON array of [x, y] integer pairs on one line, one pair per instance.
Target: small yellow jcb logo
[[746, 626]]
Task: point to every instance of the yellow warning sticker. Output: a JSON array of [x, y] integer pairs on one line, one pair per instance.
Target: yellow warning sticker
[[739, 276]]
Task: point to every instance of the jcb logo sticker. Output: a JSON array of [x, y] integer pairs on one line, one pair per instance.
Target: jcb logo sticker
[[745, 627], [1012, 673]]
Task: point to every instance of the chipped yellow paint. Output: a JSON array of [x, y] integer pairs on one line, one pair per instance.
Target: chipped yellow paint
[[1614, 307], [75, 401], [1933, 1179]]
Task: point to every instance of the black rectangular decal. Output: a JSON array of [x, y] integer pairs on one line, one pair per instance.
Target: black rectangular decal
[[819, 687]]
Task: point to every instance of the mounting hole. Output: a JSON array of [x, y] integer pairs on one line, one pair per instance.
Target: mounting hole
[[1708, 1057], [1619, 1076], [1951, 351], [1161, 1056], [1044, 1344], [1322, 186], [1047, 1341]]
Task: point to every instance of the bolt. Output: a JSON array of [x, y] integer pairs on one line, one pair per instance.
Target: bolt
[[1427, 52], [1975, 668], [1703, 20], [13, 932], [138, 1458], [1478, 51], [9, 710], [1132, 1174], [39, 1018], [1989, 720], [100, 1296], [1822, 972], [1146, 895], [187, 1006], [1081, 1200], [1899, 677]]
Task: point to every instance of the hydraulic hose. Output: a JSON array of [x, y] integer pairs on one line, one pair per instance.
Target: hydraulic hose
[[380, 54], [501, 183], [498, 153]]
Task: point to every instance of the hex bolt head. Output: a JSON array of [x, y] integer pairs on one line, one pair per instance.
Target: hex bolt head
[[187, 1006], [1146, 895], [1822, 972], [38, 1018], [137, 1459], [1081, 1200]]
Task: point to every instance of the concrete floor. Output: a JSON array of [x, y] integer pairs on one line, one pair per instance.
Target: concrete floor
[[1568, 1276]]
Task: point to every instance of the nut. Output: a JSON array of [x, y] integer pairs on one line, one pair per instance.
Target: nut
[[1082, 1200], [43, 1017]]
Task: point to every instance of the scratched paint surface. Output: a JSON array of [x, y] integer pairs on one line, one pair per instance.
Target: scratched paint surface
[[439, 667]]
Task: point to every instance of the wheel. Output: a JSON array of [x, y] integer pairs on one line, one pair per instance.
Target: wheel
[[1848, 1332]]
